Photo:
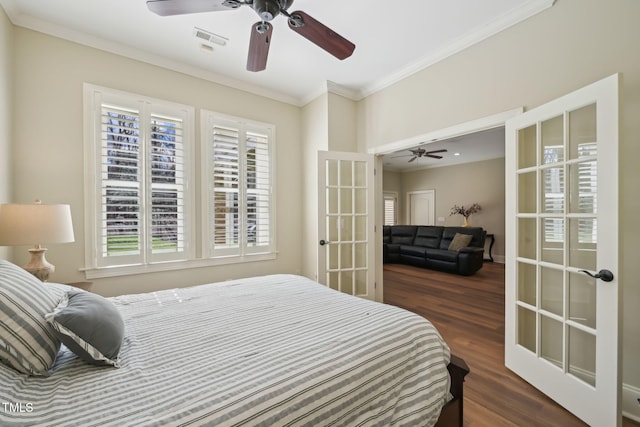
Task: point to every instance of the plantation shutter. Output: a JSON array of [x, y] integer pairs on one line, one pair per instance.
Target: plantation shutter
[[258, 178], [225, 193], [167, 161], [554, 203], [239, 210], [121, 192], [143, 187], [389, 209]]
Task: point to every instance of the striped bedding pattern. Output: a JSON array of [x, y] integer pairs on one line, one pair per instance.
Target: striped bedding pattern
[[276, 350]]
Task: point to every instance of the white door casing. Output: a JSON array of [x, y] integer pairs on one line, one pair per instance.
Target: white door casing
[[346, 222], [562, 326]]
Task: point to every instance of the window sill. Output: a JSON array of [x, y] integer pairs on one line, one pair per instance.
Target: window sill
[[128, 270]]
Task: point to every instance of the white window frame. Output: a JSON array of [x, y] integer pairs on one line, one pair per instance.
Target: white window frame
[[243, 251], [97, 265]]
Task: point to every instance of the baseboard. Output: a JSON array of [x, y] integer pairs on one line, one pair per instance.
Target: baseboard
[[631, 402]]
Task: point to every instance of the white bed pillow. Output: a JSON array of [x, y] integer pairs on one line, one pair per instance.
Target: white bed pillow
[[90, 326], [28, 343]]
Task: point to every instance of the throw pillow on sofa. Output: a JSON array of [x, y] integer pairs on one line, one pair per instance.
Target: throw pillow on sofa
[[460, 241]]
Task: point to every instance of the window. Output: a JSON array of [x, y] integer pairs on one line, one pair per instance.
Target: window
[[390, 208], [138, 202], [239, 219]]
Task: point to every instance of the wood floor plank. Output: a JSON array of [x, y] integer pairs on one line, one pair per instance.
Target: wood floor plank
[[469, 313]]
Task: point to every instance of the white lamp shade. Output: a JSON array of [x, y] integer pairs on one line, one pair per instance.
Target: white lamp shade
[[33, 224]]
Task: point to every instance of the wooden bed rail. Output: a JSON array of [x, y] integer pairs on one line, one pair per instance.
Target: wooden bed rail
[[452, 413]]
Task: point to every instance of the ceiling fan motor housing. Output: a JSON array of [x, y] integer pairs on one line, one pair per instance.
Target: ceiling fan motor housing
[[269, 9]]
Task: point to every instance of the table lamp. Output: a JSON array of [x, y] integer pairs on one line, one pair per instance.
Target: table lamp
[[23, 224]]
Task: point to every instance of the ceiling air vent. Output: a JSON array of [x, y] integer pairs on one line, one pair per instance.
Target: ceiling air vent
[[209, 37]]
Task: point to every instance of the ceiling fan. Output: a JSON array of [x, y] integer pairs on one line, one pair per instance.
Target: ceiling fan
[[299, 22], [421, 152]]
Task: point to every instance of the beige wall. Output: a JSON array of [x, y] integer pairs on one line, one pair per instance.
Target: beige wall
[[48, 148], [477, 182], [315, 137], [342, 123], [6, 96], [568, 46]]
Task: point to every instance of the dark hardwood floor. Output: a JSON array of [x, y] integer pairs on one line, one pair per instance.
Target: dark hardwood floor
[[469, 313]]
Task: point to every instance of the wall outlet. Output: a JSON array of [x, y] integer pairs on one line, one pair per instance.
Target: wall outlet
[[440, 219]]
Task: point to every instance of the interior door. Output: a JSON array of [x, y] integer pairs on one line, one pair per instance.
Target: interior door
[[346, 222], [422, 207], [562, 230]]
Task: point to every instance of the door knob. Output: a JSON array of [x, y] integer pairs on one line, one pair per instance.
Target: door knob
[[604, 275], [323, 242]]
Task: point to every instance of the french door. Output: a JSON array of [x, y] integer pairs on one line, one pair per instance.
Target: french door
[[346, 222], [561, 291]]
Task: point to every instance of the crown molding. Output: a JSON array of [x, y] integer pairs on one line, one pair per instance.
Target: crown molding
[[99, 43], [507, 20]]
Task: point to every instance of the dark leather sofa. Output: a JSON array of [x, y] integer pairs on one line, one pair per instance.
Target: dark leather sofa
[[428, 246]]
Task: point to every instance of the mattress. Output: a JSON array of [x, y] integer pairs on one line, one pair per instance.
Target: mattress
[[277, 350]]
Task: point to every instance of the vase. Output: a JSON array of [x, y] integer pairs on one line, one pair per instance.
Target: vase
[[466, 222]]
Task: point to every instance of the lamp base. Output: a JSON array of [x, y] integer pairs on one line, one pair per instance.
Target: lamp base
[[38, 265]]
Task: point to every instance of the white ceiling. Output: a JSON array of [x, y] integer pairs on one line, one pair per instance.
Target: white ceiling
[[393, 39], [474, 147]]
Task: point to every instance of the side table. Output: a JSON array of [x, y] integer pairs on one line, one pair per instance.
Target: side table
[[492, 241]]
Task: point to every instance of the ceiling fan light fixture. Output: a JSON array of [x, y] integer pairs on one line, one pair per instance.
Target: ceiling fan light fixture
[[266, 9]]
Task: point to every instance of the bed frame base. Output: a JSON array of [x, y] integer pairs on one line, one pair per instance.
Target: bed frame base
[[452, 413]]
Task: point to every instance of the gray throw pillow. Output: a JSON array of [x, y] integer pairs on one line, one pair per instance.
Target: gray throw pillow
[[28, 343], [460, 241], [90, 326]]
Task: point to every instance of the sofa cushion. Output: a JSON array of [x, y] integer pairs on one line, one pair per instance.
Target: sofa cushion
[[403, 234], [442, 255], [413, 250], [428, 236]]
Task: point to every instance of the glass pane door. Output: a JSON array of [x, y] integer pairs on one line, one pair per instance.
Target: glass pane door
[[562, 323], [346, 229]]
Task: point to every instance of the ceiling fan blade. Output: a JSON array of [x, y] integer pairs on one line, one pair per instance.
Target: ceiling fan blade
[[437, 151], [181, 7], [259, 46], [411, 160], [321, 35], [432, 156]]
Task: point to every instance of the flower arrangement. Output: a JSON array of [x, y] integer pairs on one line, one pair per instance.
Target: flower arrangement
[[465, 212]]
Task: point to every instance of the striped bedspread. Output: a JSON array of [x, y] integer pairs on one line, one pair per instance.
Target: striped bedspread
[[276, 350]]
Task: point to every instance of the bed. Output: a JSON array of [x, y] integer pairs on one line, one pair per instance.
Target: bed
[[278, 350]]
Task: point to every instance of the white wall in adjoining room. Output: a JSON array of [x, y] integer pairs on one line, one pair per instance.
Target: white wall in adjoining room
[[478, 182]]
